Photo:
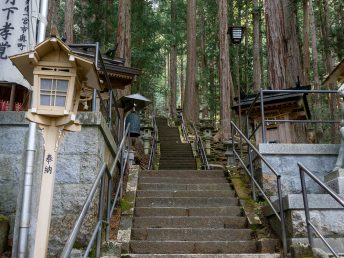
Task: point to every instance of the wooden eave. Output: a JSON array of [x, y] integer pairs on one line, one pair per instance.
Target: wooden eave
[[25, 62], [337, 74], [275, 101]]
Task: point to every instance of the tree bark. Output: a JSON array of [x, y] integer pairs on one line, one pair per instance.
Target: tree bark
[[314, 47], [203, 66], [306, 53], [190, 109], [182, 83], [282, 44], [69, 21], [257, 71], [123, 38], [225, 77], [53, 14], [293, 58], [173, 62]]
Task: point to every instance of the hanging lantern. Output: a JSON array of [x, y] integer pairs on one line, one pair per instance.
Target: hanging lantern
[[236, 33], [134, 120]]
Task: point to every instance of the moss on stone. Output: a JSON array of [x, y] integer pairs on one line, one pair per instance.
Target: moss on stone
[[3, 218]]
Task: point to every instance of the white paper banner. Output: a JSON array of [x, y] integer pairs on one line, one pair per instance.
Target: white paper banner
[[17, 35]]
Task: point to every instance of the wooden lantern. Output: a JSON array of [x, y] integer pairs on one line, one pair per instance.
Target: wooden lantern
[[57, 76]]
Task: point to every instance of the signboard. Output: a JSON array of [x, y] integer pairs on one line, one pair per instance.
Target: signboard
[[17, 35]]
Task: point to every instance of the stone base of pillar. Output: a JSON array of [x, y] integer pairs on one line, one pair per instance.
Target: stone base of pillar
[[335, 180]]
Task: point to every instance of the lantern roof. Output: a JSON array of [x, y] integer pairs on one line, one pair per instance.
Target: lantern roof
[[25, 62], [134, 99], [337, 74]]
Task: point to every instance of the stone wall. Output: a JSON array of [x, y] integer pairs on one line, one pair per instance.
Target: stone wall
[[318, 158], [80, 156]]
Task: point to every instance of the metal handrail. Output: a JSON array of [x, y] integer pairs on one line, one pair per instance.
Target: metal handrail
[[200, 148], [154, 142], [104, 173], [250, 172], [184, 130], [310, 226], [260, 97]]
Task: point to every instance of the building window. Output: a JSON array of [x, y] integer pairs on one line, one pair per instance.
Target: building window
[[53, 92]]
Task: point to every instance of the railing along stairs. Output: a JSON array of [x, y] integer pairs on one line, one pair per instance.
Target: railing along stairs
[[154, 142], [310, 226], [279, 211], [200, 149], [107, 200]]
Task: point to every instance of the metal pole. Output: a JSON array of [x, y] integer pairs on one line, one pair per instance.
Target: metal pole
[[110, 108], [100, 215], [262, 115], [43, 13], [94, 98], [305, 203], [24, 223], [281, 207], [253, 186], [108, 207]]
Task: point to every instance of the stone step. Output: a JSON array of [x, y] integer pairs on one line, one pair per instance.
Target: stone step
[[178, 167], [176, 180], [186, 201], [175, 193], [243, 255], [195, 187], [184, 247], [190, 222], [194, 212], [190, 234], [182, 174]]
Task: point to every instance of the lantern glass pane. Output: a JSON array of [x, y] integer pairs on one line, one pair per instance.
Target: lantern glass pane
[[53, 92], [60, 101], [46, 84], [45, 100]]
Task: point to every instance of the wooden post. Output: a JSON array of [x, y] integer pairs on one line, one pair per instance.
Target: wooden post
[[51, 135], [12, 97]]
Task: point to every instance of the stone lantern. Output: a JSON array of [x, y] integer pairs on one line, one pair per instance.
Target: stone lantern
[[57, 76], [207, 133], [147, 130]]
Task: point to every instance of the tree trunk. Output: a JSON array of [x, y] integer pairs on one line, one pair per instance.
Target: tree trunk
[[190, 100], [293, 59], [225, 77], [182, 84], [203, 66], [306, 54], [283, 49], [69, 21], [329, 63], [314, 47], [173, 62], [246, 66], [123, 37], [257, 71], [53, 14]]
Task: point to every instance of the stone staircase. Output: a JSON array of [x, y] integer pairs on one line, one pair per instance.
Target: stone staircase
[[182, 212], [173, 153]]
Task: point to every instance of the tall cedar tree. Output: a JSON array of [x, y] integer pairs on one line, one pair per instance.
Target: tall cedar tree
[[173, 62], [69, 21], [225, 77], [191, 109]]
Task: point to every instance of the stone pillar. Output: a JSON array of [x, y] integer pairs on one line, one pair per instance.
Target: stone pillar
[[229, 152], [335, 179]]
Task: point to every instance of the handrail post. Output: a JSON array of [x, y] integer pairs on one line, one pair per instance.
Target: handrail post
[[108, 208], [253, 186], [100, 215], [110, 108], [305, 203], [262, 115], [281, 207]]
